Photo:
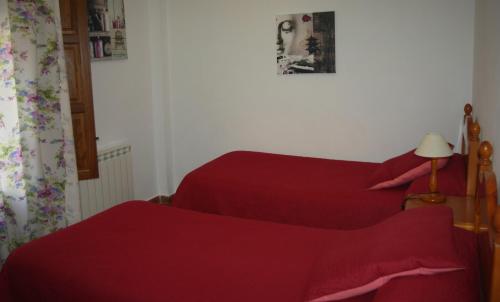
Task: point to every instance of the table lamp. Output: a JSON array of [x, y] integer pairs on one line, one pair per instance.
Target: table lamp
[[434, 146]]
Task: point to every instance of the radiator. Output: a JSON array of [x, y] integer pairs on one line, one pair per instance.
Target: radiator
[[115, 182]]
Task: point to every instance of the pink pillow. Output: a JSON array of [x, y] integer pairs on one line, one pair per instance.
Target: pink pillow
[[452, 179], [401, 169], [460, 286], [414, 242]]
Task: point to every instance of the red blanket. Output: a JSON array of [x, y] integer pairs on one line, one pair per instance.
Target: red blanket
[[288, 189], [144, 252]]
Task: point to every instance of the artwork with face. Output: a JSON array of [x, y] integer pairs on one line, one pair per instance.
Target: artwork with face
[[305, 43]]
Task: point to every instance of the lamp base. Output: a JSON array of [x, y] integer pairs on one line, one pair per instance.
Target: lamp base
[[434, 198]]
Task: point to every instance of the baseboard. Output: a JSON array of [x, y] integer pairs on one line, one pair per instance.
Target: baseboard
[[162, 199]]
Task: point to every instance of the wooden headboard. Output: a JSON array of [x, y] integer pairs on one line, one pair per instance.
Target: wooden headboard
[[486, 192], [473, 131], [466, 121]]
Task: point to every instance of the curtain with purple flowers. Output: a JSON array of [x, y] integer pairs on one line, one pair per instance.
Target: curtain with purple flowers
[[38, 177]]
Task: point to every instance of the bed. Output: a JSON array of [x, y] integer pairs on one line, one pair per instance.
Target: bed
[[312, 191], [139, 251]]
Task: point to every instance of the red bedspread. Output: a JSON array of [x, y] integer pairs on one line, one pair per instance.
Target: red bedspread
[[144, 252], [288, 189], [457, 286]]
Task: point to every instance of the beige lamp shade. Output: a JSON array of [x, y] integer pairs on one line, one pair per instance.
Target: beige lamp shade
[[433, 145]]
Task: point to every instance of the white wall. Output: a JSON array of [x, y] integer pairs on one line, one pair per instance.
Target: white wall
[[125, 98], [487, 72], [404, 67], [160, 80]]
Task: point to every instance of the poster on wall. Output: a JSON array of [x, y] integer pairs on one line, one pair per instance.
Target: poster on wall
[[107, 35], [306, 43]]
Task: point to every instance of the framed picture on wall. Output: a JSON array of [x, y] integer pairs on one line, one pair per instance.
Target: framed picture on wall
[[107, 30], [305, 43]]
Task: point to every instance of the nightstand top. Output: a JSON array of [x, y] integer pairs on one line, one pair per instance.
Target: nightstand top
[[463, 210]]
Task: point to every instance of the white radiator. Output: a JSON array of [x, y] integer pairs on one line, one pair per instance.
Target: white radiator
[[115, 182]]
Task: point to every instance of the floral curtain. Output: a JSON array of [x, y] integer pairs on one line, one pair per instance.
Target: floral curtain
[[38, 180]]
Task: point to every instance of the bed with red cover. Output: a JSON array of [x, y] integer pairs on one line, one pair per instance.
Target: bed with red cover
[[140, 251], [307, 191]]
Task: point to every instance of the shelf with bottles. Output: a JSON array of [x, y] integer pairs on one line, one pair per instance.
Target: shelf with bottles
[[106, 24], [100, 47]]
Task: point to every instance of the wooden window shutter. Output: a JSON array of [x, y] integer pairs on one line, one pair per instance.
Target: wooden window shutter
[[76, 49]]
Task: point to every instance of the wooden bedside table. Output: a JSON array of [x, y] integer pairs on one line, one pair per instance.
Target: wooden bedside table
[[463, 210]]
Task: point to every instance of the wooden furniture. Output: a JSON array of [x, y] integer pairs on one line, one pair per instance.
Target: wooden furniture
[[490, 251], [464, 212], [466, 121], [473, 130], [162, 199], [76, 50], [479, 213]]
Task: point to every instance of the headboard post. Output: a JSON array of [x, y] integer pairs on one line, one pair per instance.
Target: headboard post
[[484, 175], [473, 134], [467, 121], [494, 292], [487, 182]]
